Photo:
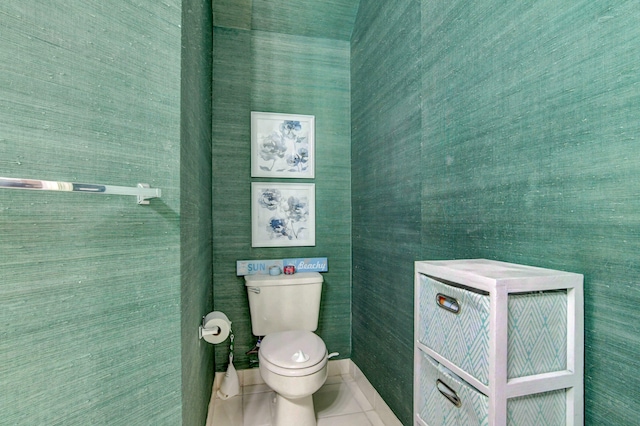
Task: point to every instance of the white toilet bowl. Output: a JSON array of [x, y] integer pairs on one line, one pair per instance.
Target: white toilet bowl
[[294, 364]]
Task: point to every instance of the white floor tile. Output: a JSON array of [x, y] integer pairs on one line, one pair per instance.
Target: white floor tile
[[256, 389], [333, 380], [386, 415], [335, 400], [362, 401], [252, 377], [257, 408], [365, 386], [374, 418], [340, 402], [357, 419], [228, 412]]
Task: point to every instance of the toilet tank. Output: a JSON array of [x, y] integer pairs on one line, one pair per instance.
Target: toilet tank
[[284, 302]]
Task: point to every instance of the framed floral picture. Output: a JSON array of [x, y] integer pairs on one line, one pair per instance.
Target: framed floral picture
[[283, 214], [282, 145]]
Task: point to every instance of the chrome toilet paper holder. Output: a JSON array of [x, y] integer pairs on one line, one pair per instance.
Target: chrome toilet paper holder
[[215, 327], [215, 331]]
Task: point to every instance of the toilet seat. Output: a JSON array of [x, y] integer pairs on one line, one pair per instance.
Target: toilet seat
[[293, 353]]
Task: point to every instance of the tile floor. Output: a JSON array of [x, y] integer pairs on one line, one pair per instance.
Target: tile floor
[[341, 401]]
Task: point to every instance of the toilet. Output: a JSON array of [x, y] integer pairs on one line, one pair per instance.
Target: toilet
[[293, 360]]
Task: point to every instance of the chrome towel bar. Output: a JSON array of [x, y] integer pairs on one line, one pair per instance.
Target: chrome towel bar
[[143, 192]]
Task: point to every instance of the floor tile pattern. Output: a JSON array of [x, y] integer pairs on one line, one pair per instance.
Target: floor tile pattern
[[339, 402]]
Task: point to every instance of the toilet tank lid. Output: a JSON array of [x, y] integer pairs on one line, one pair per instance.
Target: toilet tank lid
[[275, 280]]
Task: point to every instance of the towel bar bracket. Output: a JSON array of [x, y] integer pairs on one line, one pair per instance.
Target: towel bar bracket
[[142, 199]]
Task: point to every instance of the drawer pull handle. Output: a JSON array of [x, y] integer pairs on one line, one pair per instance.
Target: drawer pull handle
[[448, 303], [448, 393]]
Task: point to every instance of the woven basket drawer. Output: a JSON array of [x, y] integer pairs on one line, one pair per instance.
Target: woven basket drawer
[[540, 409], [537, 329], [466, 406]]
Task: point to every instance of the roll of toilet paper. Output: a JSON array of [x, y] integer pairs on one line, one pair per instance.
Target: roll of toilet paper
[[216, 327]]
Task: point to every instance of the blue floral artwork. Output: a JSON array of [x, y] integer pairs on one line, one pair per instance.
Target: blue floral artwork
[[283, 214], [282, 145]]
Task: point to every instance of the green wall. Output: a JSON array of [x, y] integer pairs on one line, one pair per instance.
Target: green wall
[[386, 184], [90, 285], [444, 130], [274, 72], [527, 154], [196, 296]]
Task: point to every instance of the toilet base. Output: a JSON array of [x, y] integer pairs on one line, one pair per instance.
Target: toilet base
[[294, 412]]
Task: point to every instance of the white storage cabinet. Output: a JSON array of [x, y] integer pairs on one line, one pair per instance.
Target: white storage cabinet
[[497, 344]]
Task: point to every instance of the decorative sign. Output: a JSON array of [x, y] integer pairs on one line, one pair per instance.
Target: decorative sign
[[261, 267]]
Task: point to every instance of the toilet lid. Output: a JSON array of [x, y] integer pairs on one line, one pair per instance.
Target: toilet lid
[[294, 349]]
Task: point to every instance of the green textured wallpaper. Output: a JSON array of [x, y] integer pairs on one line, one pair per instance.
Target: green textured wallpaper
[[232, 14], [331, 19], [90, 284], [264, 71], [527, 153], [196, 297], [539, 115], [444, 130], [386, 184]]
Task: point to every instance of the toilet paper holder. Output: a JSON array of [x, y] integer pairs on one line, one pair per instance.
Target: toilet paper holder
[[215, 327], [215, 331]]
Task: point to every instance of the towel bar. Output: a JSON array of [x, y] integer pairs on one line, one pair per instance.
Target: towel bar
[[143, 192]]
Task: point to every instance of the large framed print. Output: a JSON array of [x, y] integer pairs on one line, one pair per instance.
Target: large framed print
[[282, 145], [283, 214]]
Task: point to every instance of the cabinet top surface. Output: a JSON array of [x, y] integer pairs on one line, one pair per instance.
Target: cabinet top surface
[[490, 271]]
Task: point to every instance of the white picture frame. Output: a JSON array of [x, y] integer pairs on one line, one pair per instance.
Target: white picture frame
[[283, 214], [282, 145]]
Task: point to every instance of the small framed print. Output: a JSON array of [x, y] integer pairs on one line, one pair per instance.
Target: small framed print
[[283, 214], [282, 145]]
